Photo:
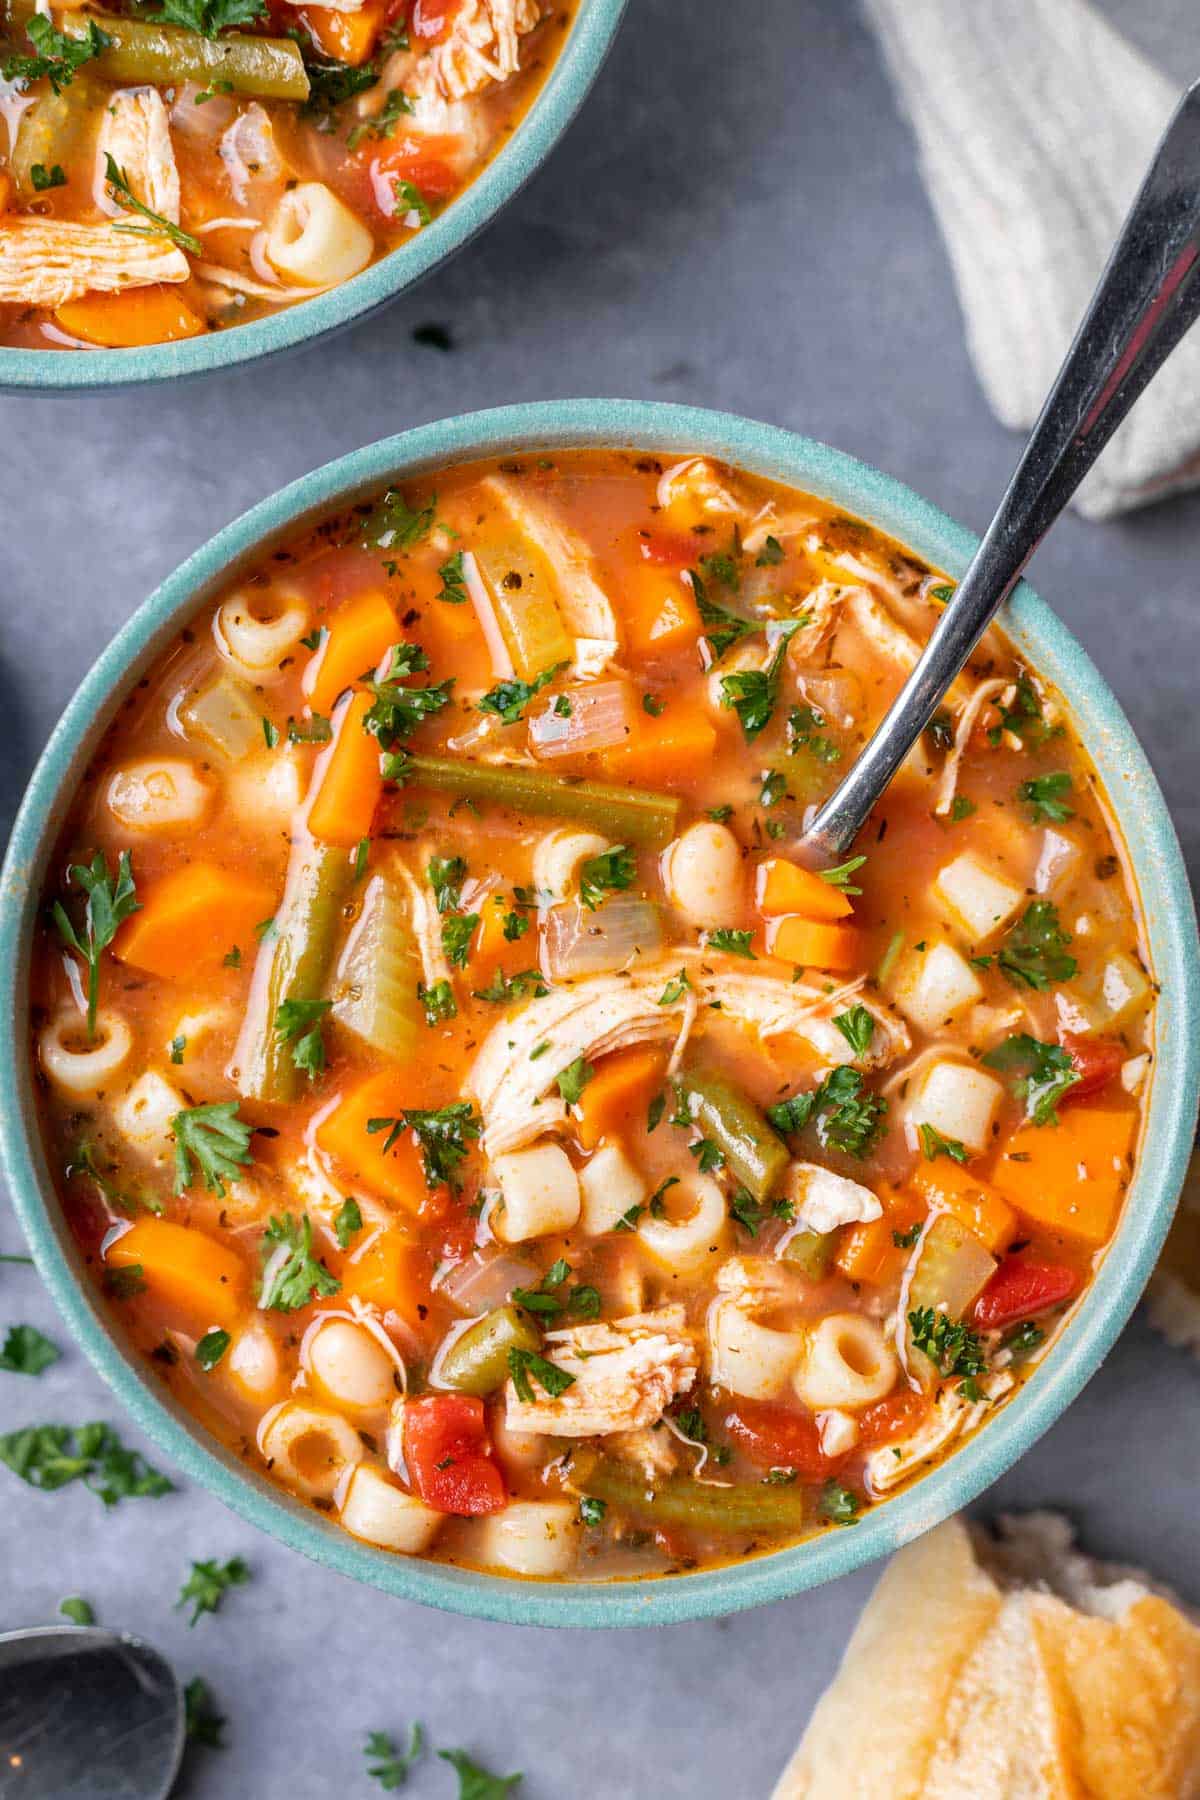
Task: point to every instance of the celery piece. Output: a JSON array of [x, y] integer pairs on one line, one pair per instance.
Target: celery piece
[[375, 993]]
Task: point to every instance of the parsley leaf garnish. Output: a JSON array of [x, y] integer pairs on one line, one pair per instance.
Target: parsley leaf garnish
[[44, 178], [475, 1783], [444, 1135], [734, 943], [454, 583], [805, 731], [857, 1027], [50, 1456], [77, 1609], [508, 699], [949, 1344], [610, 872], [388, 1766], [209, 17], [27, 1352], [398, 710], [382, 124], [1044, 793], [770, 555], [208, 1583], [1024, 717], [722, 629], [1033, 954], [297, 1277], [59, 56], [675, 989], [298, 1025], [1045, 1073], [525, 984], [934, 1144], [392, 524], [846, 1116], [840, 876], [203, 1724], [110, 901], [839, 1504], [118, 186], [215, 1140], [572, 1080], [524, 1364], [438, 1001], [211, 1348], [347, 1223], [752, 693], [457, 932], [445, 875]]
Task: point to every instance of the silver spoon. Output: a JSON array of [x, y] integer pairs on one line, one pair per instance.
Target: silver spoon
[[86, 1714], [1147, 297]]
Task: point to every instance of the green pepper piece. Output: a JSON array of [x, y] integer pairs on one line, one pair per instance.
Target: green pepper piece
[[812, 1252], [624, 814], [477, 1361], [755, 1153]]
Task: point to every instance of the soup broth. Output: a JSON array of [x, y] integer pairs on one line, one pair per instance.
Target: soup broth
[[172, 174], [486, 1126]]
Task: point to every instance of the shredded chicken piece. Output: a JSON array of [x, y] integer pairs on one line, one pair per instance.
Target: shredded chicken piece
[[984, 694], [698, 478], [136, 133], [819, 612], [612, 1012], [651, 1450], [952, 1417], [484, 46], [768, 523], [823, 1200], [891, 640], [46, 262], [427, 928], [755, 1281], [587, 609], [248, 150], [626, 1375]]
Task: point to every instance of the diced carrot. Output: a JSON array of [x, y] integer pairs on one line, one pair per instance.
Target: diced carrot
[[184, 1267], [393, 1174], [347, 37], [348, 780], [869, 1252], [491, 950], [6, 190], [784, 887], [192, 918], [678, 743], [391, 1273], [658, 611], [980, 1208], [121, 321], [360, 636], [619, 1094], [812, 944], [1070, 1176]]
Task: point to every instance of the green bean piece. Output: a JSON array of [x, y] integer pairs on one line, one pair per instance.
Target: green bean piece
[[756, 1155], [143, 50], [811, 1252], [679, 1500], [621, 813], [293, 963], [477, 1362]]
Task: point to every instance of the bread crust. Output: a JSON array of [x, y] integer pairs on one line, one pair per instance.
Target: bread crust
[[956, 1687]]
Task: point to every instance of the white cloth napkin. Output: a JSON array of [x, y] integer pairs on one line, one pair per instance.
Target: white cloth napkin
[[1035, 121]]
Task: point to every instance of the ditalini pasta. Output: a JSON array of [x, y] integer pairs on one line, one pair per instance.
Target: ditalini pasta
[[475, 1113], [173, 173]]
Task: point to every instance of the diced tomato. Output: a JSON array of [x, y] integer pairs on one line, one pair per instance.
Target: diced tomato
[[432, 19], [775, 1437], [666, 547], [428, 163], [896, 1417], [1021, 1288], [449, 1457], [1097, 1062]]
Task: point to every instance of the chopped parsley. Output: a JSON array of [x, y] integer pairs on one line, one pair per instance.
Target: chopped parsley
[[59, 56], [389, 1766], [313, 730], [214, 1141], [457, 932], [211, 1348], [444, 1134], [675, 989], [125, 1283], [110, 901], [298, 1026], [610, 872], [846, 1116], [1044, 1071], [526, 1366], [297, 1277], [208, 1584], [949, 1344], [397, 709], [933, 1144], [77, 1609], [384, 123], [347, 1223], [202, 1723], [508, 699], [49, 1457], [840, 876], [210, 17], [840, 1505], [904, 1240], [524, 985], [475, 1783], [1033, 954], [772, 788], [960, 808], [392, 523], [753, 693], [409, 198], [454, 582], [119, 189], [805, 731], [592, 1511], [857, 1027], [1023, 1340], [722, 629], [1045, 795], [771, 554], [26, 1352], [572, 1080], [1024, 717], [438, 1001], [44, 178], [734, 943], [445, 875]]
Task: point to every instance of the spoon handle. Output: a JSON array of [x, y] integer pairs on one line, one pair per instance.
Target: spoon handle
[[1147, 297]]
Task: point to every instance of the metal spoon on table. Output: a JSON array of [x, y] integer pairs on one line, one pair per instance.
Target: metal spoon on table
[[86, 1714], [1147, 297]]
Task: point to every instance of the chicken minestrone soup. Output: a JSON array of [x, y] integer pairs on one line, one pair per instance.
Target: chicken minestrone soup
[[172, 170], [474, 1112]]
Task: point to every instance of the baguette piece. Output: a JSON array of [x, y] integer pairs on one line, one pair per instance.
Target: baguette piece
[[1008, 1668]]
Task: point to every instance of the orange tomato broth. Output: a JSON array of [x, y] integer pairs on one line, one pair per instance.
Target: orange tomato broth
[[233, 178], [1012, 1221]]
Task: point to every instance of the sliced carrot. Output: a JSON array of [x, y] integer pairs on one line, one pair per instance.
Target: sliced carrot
[[184, 1267], [392, 1174], [678, 743], [869, 1252], [492, 951], [658, 611], [360, 636], [191, 919], [812, 944], [784, 887], [348, 781], [121, 321], [619, 1094], [6, 190], [973, 1202], [347, 37], [1070, 1176], [391, 1273]]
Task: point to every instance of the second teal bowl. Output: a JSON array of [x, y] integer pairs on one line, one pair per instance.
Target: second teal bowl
[[1140, 816]]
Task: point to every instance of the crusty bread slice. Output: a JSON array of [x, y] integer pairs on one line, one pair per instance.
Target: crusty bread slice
[[1008, 1668]]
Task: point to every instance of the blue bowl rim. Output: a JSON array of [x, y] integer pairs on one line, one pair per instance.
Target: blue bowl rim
[[562, 94], [1142, 820]]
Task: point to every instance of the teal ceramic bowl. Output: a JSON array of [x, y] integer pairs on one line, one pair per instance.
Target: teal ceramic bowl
[[1141, 818], [565, 89]]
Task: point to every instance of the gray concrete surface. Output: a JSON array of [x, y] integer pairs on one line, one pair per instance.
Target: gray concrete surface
[[735, 221]]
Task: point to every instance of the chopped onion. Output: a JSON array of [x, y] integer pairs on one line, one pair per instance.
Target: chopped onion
[[947, 1272], [600, 715], [485, 612], [486, 1279], [577, 942]]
